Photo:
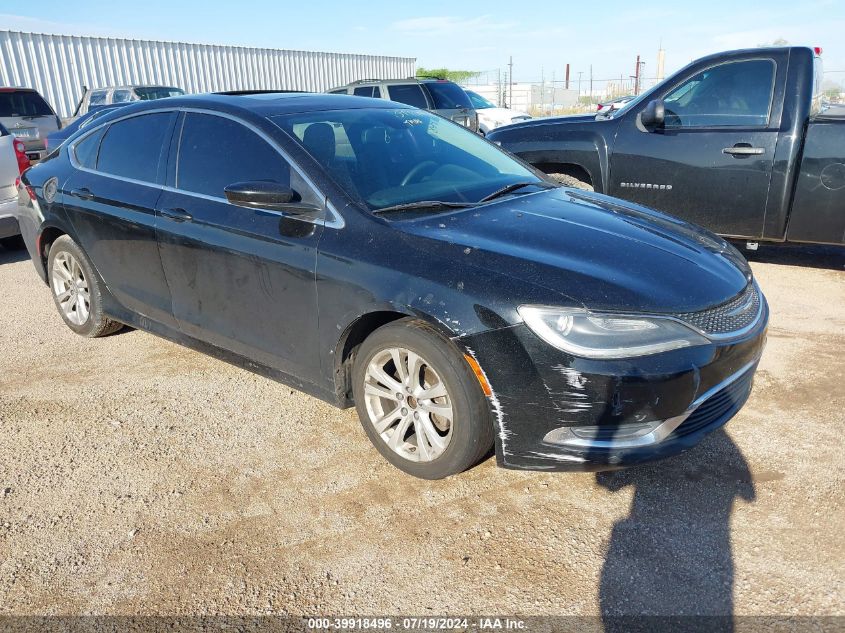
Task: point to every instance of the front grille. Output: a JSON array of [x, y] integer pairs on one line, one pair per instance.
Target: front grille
[[723, 403], [736, 314]]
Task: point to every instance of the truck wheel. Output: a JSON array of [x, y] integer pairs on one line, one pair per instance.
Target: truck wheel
[[77, 290], [419, 401], [570, 181]]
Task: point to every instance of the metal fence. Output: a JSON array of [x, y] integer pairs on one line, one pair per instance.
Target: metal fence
[[59, 65]]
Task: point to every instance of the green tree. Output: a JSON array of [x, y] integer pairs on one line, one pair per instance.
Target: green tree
[[457, 76]]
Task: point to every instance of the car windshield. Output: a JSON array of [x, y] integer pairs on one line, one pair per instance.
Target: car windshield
[[447, 95], [389, 157], [479, 102], [157, 92], [23, 103]]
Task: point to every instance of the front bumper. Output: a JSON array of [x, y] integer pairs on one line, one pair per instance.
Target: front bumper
[[8, 220], [554, 411]]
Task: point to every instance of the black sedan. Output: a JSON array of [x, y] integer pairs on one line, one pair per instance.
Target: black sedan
[[378, 255]]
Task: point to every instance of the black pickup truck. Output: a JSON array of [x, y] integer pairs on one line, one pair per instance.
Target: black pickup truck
[[738, 142]]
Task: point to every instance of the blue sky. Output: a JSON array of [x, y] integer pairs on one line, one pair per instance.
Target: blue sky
[[477, 35]]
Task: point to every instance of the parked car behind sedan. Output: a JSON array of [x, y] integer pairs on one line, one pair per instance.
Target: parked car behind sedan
[[491, 116], [444, 97], [13, 161], [382, 256], [614, 104], [29, 117], [123, 94]]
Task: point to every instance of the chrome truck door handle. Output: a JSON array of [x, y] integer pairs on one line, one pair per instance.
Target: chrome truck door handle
[[84, 193], [744, 149]]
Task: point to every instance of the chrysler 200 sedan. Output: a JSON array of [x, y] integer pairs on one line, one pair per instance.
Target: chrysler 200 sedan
[[374, 254]]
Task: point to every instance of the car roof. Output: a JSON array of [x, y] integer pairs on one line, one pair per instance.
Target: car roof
[[131, 86], [267, 104]]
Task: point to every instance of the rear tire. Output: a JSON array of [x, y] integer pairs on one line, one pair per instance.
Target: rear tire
[[427, 415], [77, 290]]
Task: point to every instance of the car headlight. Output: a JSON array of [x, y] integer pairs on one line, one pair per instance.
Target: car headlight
[[607, 335]]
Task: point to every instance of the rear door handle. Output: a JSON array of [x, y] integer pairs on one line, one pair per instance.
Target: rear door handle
[[744, 149], [177, 215], [82, 192]]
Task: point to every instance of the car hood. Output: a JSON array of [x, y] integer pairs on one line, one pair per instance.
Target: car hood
[[591, 250]]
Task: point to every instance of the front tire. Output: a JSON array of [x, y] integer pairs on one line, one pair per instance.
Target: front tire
[[419, 402], [77, 290]]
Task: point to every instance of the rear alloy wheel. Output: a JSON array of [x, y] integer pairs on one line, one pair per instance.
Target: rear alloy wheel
[[419, 402], [77, 291]]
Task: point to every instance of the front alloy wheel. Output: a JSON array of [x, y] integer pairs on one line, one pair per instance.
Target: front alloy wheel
[[419, 401], [408, 404]]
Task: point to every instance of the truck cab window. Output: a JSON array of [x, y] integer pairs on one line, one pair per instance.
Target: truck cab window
[[737, 94]]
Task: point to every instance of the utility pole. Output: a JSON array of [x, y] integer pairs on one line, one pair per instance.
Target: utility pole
[[580, 72], [510, 79], [567, 76], [637, 77], [591, 83], [499, 87]]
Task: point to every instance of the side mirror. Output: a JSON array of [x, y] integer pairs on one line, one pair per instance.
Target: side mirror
[[653, 114], [266, 194]]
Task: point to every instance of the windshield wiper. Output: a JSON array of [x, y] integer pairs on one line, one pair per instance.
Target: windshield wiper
[[424, 204], [517, 185]]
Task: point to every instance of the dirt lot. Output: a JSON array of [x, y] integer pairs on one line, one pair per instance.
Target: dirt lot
[[137, 476]]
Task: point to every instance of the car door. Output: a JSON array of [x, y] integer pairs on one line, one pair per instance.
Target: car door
[[111, 198], [711, 161], [242, 279]]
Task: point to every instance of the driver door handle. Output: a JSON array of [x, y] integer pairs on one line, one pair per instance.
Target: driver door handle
[[176, 214], [744, 149]]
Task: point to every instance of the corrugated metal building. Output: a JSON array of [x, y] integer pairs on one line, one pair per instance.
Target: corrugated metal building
[[59, 65]]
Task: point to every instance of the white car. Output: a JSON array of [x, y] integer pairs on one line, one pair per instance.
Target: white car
[[10, 169], [490, 117]]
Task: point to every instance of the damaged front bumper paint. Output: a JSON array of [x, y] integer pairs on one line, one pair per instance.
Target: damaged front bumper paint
[[554, 411]]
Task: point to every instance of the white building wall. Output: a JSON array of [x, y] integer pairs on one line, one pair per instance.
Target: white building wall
[[59, 65]]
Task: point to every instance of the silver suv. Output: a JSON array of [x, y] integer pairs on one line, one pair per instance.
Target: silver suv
[[98, 97], [444, 97], [28, 117]]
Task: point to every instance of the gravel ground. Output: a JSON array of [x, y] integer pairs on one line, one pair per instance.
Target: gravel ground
[[138, 477]]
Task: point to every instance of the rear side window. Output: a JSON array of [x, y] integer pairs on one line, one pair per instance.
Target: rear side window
[[98, 97], [447, 96], [23, 103], [410, 94], [85, 150], [733, 94], [132, 147], [216, 152]]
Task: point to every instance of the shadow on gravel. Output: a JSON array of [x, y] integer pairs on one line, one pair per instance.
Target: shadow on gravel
[[13, 256], [816, 256], [671, 556]]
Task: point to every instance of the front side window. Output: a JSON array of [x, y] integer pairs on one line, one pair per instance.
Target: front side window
[[216, 152], [409, 94], [447, 95], [384, 157], [132, 147], [98, 97], [157, 92], [121, 96], [736, 94]]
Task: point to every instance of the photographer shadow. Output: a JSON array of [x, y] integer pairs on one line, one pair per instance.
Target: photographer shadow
[[669, 562]]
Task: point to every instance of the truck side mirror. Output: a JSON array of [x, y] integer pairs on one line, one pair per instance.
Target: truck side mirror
[[653, 114]]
